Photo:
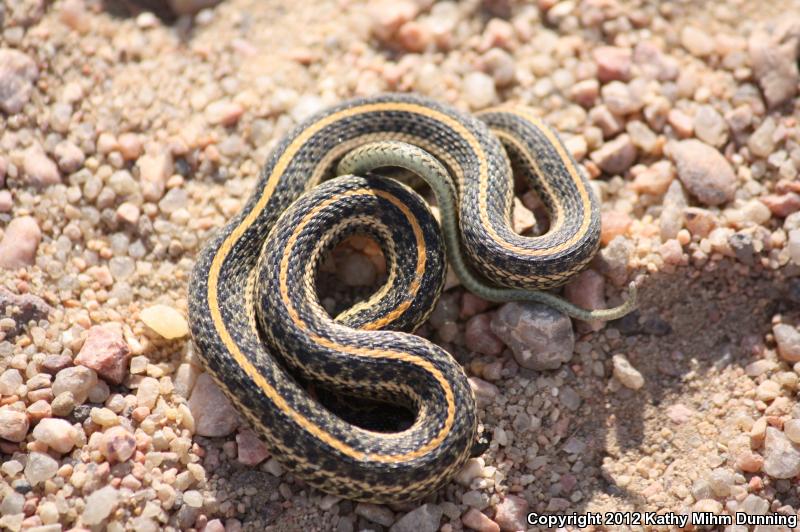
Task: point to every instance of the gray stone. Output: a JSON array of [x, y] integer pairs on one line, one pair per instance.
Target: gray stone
[[18, 72], [773, 55], [781, 456], [704, 171], [540, 337], [426, 518]]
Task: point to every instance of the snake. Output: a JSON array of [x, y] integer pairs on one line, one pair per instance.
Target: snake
[[262, 333]]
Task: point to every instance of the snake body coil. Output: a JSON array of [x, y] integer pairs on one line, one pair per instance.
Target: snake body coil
[[258, 325]]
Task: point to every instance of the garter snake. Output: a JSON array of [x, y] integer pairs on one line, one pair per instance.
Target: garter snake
[[261, 331]]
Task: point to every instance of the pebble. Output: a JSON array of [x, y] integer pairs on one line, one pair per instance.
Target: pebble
[[587, 290], [781, 456], [213, 413], [20, 243], [780, 205], [251, 450], [39, 169], [626, 374], [39, 468], [18, 72], [478, 521], [654, 179], [681, 123], [10, 380], [426, 518], [705, 173], [106, 352], [166, 321], [63, 404], [130, 146], [376, 513], [710, 127], [761, 142], [6, 201], [619, 98], [478, 90], [500, 65], [148, 392], [750, 462], [698, 42], [539, 337], [58, 434], [78, 380], [117, 444], [613, 63], [788, 340], [68, 156], [224, 112], [356, 269], [479, 336], [99, 505], [512, 514], [154, 170], [13, 424], [616, 156], [773, 53]]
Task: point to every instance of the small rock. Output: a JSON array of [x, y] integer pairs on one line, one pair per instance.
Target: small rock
[[681, 123], [426, 518], [117, 444], [69, 156], [388, 16], [478, 89], [99, 505], [761, 142], [704, 171], [585, 92], [587, 290], [414, 36], [540, 338], [13, 425], [617, 156], [10, 380], [130, 146], [6, 200], [788, 340], [479, 336], [626, 374], [40, 467], [20, 242], [18, 72], [642, 136], [619, 98], [356, 269], [500, 65], [698, 42], [57, 434], [154, 170], [63, 404], [781, 456], [166, 321], [782, 205], [792, 430], [224, 112], [39, 170], [773, 52], [77, 380], [148, 392], [710, 127], [477, 520], [512, 514], [251, 450], [106, 352], [213, 413], [749, 462], [679, 413], [655, 179], [376, 513], [613, 63]]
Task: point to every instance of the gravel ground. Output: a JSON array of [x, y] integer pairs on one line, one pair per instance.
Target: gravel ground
[[128, 137]]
